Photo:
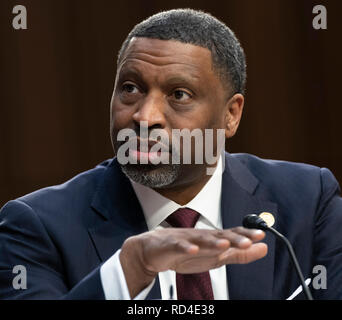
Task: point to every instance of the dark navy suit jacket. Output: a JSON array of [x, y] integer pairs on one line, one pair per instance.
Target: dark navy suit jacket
[[63, 234]]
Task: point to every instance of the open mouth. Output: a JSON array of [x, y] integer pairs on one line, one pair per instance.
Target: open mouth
[[149, 152]]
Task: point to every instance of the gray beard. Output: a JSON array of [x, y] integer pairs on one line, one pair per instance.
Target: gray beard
[[157, 178]]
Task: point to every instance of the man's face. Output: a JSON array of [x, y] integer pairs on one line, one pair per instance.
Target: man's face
[[169, 85]]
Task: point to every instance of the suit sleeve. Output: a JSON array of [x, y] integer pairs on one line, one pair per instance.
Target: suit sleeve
[[25, 242], [328, 240]]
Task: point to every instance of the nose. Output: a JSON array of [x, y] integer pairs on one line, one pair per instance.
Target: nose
[[152, 111]]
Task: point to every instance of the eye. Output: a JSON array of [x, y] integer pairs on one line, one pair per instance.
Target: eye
[[181, 95], [130, 88]]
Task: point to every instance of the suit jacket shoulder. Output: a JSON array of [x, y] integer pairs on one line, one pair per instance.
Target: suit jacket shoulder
[[306, 202], [47, 232], [284, 179]]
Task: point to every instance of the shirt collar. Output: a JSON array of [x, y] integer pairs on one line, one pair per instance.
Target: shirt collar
[[207, 202]]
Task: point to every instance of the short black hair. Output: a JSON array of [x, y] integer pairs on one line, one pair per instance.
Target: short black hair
[[202, 29]]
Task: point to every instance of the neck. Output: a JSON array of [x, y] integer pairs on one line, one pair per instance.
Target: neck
[[183, 192]]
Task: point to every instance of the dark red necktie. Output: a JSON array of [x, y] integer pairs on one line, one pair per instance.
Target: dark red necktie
[[195, 286]]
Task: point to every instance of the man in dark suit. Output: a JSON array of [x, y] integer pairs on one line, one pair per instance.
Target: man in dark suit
[[122, 231]]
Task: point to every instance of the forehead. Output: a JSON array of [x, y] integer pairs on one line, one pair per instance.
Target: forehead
[[167, 54]]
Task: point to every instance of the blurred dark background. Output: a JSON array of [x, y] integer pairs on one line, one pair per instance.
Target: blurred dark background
[[56, 80]]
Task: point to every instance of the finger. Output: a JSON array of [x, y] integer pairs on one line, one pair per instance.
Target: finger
[[235, 239], [243, 256], [222, 244], [206, 239], [253, 234], [184, 246]]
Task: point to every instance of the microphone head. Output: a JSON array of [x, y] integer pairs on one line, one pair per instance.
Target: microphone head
[[252, 221]]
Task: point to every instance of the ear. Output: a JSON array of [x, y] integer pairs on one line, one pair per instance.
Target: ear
[[233, 114]]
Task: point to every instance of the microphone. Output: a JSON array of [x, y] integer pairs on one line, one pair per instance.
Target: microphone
[[252, 221]]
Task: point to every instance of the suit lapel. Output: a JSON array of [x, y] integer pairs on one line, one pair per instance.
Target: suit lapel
[[253, 280], [121, 216]]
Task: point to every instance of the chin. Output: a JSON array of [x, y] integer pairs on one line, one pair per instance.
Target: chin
[[152, 176]]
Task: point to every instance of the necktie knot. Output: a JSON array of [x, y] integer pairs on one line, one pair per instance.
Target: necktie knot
[[183, 218]]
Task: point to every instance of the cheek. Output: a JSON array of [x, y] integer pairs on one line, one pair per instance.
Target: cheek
[[120, 115], [205, 117], [200, 118], [120, 118]]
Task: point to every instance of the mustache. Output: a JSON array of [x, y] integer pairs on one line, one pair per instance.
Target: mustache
[[137, 143]]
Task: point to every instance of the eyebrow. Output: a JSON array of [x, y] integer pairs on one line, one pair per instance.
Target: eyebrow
[[182, 79], [176, 78], [129, 72]]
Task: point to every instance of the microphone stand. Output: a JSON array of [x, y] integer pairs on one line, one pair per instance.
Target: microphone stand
[[294, 260]]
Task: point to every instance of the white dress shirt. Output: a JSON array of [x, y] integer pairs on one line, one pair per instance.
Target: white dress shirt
[[156, 209]]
